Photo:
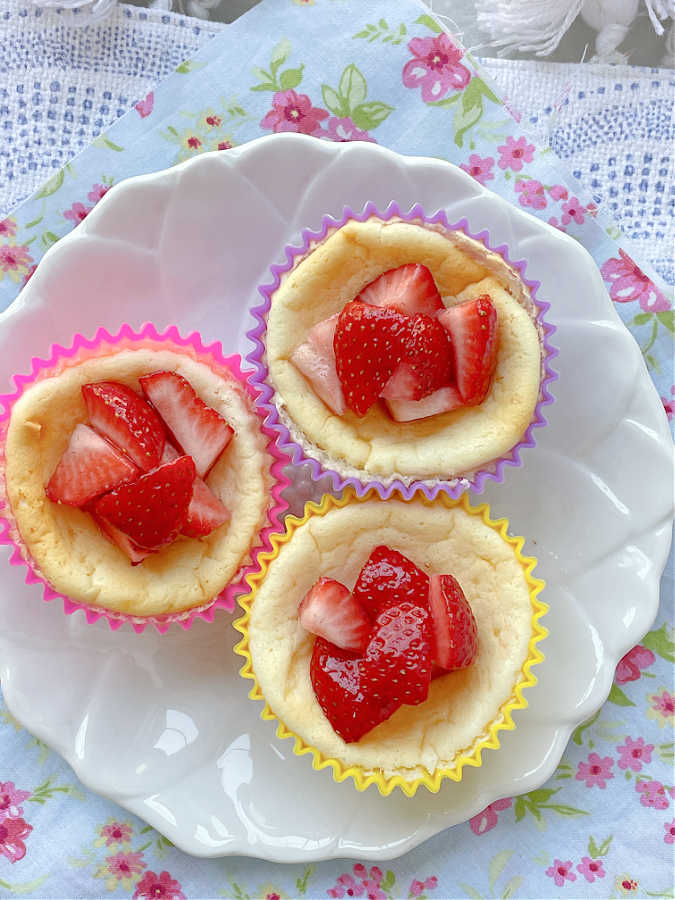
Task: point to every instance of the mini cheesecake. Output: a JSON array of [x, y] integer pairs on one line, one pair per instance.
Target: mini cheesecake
[[65, 544], [461, 706], [456, 441]]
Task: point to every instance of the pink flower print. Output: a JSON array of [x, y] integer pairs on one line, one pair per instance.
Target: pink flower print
[[596, 772], [435, 67], [97, 192], [629, 666], [7, 228], [591, 868], [145, 107], [213, 121], [29, 274], [556, 224], [158, 887], [487, 819], [531, 193], [669, 405], [194, 142], [670, 832], [343, 130], [515, 153], [360, 871], [125, 865], [12, 834], [115, 833], [634, 753], [479, 168], [418, 887], [662, 707], [225, 145], [627, 282], [294, 112], [373, 890], [561, 871], [10, 798], [349, 886], [273, 897], [573, 209], [15, 260], [77, 213], [558, 192], [626, 885], [653, 794]]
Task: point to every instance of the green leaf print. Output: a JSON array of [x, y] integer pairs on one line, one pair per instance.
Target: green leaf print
[[661, 641], [280, 54], [388, 881], [103, 141], [386, 34], [46, 791], [238, 893], [470, 892], [51, 187], [602, 850], [27, 887], [48, 238], [190, 65], [616, 695], [301, 883], [535, 801], [512, 886], [466, 119], [667, 318], [333, 102], [430, 23], [497, 864], [352, 88], [666, 752], [370, 115], [642, 318], [290, 78]]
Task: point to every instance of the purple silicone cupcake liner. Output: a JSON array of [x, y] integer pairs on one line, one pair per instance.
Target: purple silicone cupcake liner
[[457, 485]]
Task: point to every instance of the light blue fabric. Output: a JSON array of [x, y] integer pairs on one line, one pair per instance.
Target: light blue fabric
[[601, 826]]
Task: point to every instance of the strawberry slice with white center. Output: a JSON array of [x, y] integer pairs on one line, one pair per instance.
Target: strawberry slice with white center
[[315, 358], [152, 511], [200, 431], [205, 512], [445, 399], [454, 629], [472, 325], [428, 364], [369, 344], [329, 610], [135, 553], [127, 420], [90, 466], [409, 289]]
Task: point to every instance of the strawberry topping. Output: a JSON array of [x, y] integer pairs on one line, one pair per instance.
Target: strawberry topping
[[126, 419], [316, 360], [197, 429], [135, 553], [455, 634], [152, 511], [90, 465], [472, 325], [397, 667], [205, 512], [428, 364], [369, 344], [443, 400], [389, 578], [330, 611], [409, 289]]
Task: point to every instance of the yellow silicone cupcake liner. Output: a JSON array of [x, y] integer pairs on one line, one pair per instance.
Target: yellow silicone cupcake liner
[[487, 740]]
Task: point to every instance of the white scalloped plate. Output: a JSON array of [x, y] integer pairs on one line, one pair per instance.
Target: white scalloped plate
[[162, 724]]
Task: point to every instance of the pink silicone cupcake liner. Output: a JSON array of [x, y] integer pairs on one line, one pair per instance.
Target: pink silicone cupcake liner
[[454, 487], [104, 344]]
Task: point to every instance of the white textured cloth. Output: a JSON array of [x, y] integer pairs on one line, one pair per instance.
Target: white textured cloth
[[62, 86]]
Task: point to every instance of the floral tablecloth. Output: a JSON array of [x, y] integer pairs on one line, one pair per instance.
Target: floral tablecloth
[[386, 72]]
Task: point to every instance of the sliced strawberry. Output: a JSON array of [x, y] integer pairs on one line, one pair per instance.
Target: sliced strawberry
[[443, 400], [90, 466], [472, 325], [127, 420], [369, 344], [329, 611], [199, 430], [336, 678], [428, 364], [152, 511], [205, 512], [315, 358], [454, 630], [135, 553], [389, 578], [409, 289], [356, 694]]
